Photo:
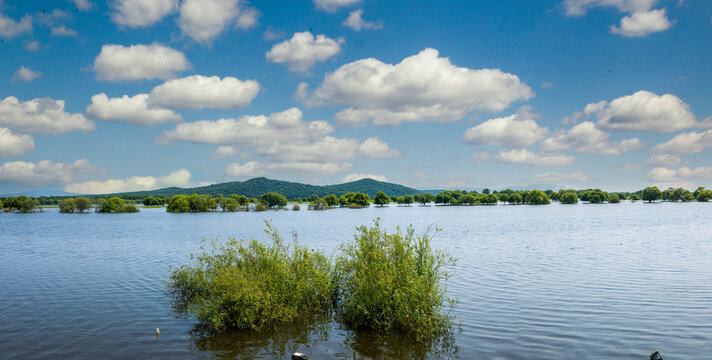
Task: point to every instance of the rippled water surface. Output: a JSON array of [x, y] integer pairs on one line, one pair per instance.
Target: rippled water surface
[[534, 282]]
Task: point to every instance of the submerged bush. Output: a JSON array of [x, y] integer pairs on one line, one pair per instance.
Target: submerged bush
[[247, 284], [117, 205], [393, 283]]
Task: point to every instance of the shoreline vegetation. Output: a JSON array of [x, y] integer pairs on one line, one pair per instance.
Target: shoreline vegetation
[[274, 201], [388, 283]]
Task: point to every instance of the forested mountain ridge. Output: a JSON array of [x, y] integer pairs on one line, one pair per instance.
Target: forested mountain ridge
[[261, 185]]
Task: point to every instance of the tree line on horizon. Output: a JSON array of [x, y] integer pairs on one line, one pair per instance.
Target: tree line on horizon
[[274, 200]]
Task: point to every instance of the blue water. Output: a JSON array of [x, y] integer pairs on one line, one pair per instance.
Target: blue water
[[612, 281]]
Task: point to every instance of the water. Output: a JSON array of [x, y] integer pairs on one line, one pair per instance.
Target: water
[[534, 282]]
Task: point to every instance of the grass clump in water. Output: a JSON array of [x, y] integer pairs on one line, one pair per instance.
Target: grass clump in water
[[393, 283], [250, 285]]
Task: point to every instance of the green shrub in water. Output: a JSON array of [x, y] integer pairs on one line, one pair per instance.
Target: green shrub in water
[[248, 284], [394, 283]]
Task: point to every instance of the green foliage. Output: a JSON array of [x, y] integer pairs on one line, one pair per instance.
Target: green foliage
[[26, 204], [331, 200], [515, 198], [488, 199], [466, 200], [394, 283], [117, 205], [355, 200], [406, 200], [296, 207], [251, 285], [681, 194], [2, 206], [202, 203], [152, 201], [444, 198], [651, 194], [67, 205], [596, 196], [272, 200], [614, 199], [381, 199], [704, 196], [318, 204], [82, 204], [178, 204], [537, 197], [568, 197], [260, 207]]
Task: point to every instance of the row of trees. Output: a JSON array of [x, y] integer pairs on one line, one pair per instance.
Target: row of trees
[[79, 204]]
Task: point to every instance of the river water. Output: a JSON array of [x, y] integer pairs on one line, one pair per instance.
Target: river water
[[611, 281]]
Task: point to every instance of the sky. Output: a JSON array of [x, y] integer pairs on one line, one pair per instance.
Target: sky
[[124, 95]]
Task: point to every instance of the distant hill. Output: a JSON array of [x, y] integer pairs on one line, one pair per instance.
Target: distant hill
[[261, 185]]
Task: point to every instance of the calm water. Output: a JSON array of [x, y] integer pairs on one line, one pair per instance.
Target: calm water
[[548, 282]]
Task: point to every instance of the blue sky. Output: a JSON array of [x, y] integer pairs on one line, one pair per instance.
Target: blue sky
[[122, 95]]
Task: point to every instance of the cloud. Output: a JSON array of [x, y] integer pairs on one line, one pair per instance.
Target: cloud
[[480, 157], [63, 31], [180, 178], [141, 13], [374, 148], [642, 111], [663, 160], [666, 178], [554, 177], [254, 168], [31, 45], [686, 143], [25, 74], [517, 130], [628, 167], [587, 138], [199, 92], [137, 62], [423, 87], [706, 123], [41, 116], [303, 50], [133, 110], [356, 23], [333, 5], [83, 5], [526, 157], [204, 20], [271, 34], [580, 7], [250, 131], [45, 172], [15, 144], [224, 152], [642, 23], [356, 177], [10, 28]]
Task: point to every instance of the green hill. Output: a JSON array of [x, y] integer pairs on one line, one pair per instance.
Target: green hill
[[258, 186]]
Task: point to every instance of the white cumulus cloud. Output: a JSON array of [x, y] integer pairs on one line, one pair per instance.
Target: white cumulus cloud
[[10, 28], [664, 160], [41, 116], [205, 20], [355, 22], [642, 23], [580, 7], [83, 5], [641, 111], [25, 74], [199, 92], [333, 5], [224, 152], [304, 50], [180, 178], [517, 130], [356, 177], [15, 144], [256, 168], [526, 157], [133, 110], [63, 31], [423, 87], [45, 172], [141, 13], [374, 148], [137, 62], [686, 143], [665, 177], [587, 138]]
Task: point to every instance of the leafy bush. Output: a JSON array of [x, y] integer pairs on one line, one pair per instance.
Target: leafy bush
[[260, 207], [704, 196], [67, 205], [393, 283], [247, 284], [614, 199], [273, 200], [537, 197], [82, 204], [296, 207], [117, 205], [178, 204]]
